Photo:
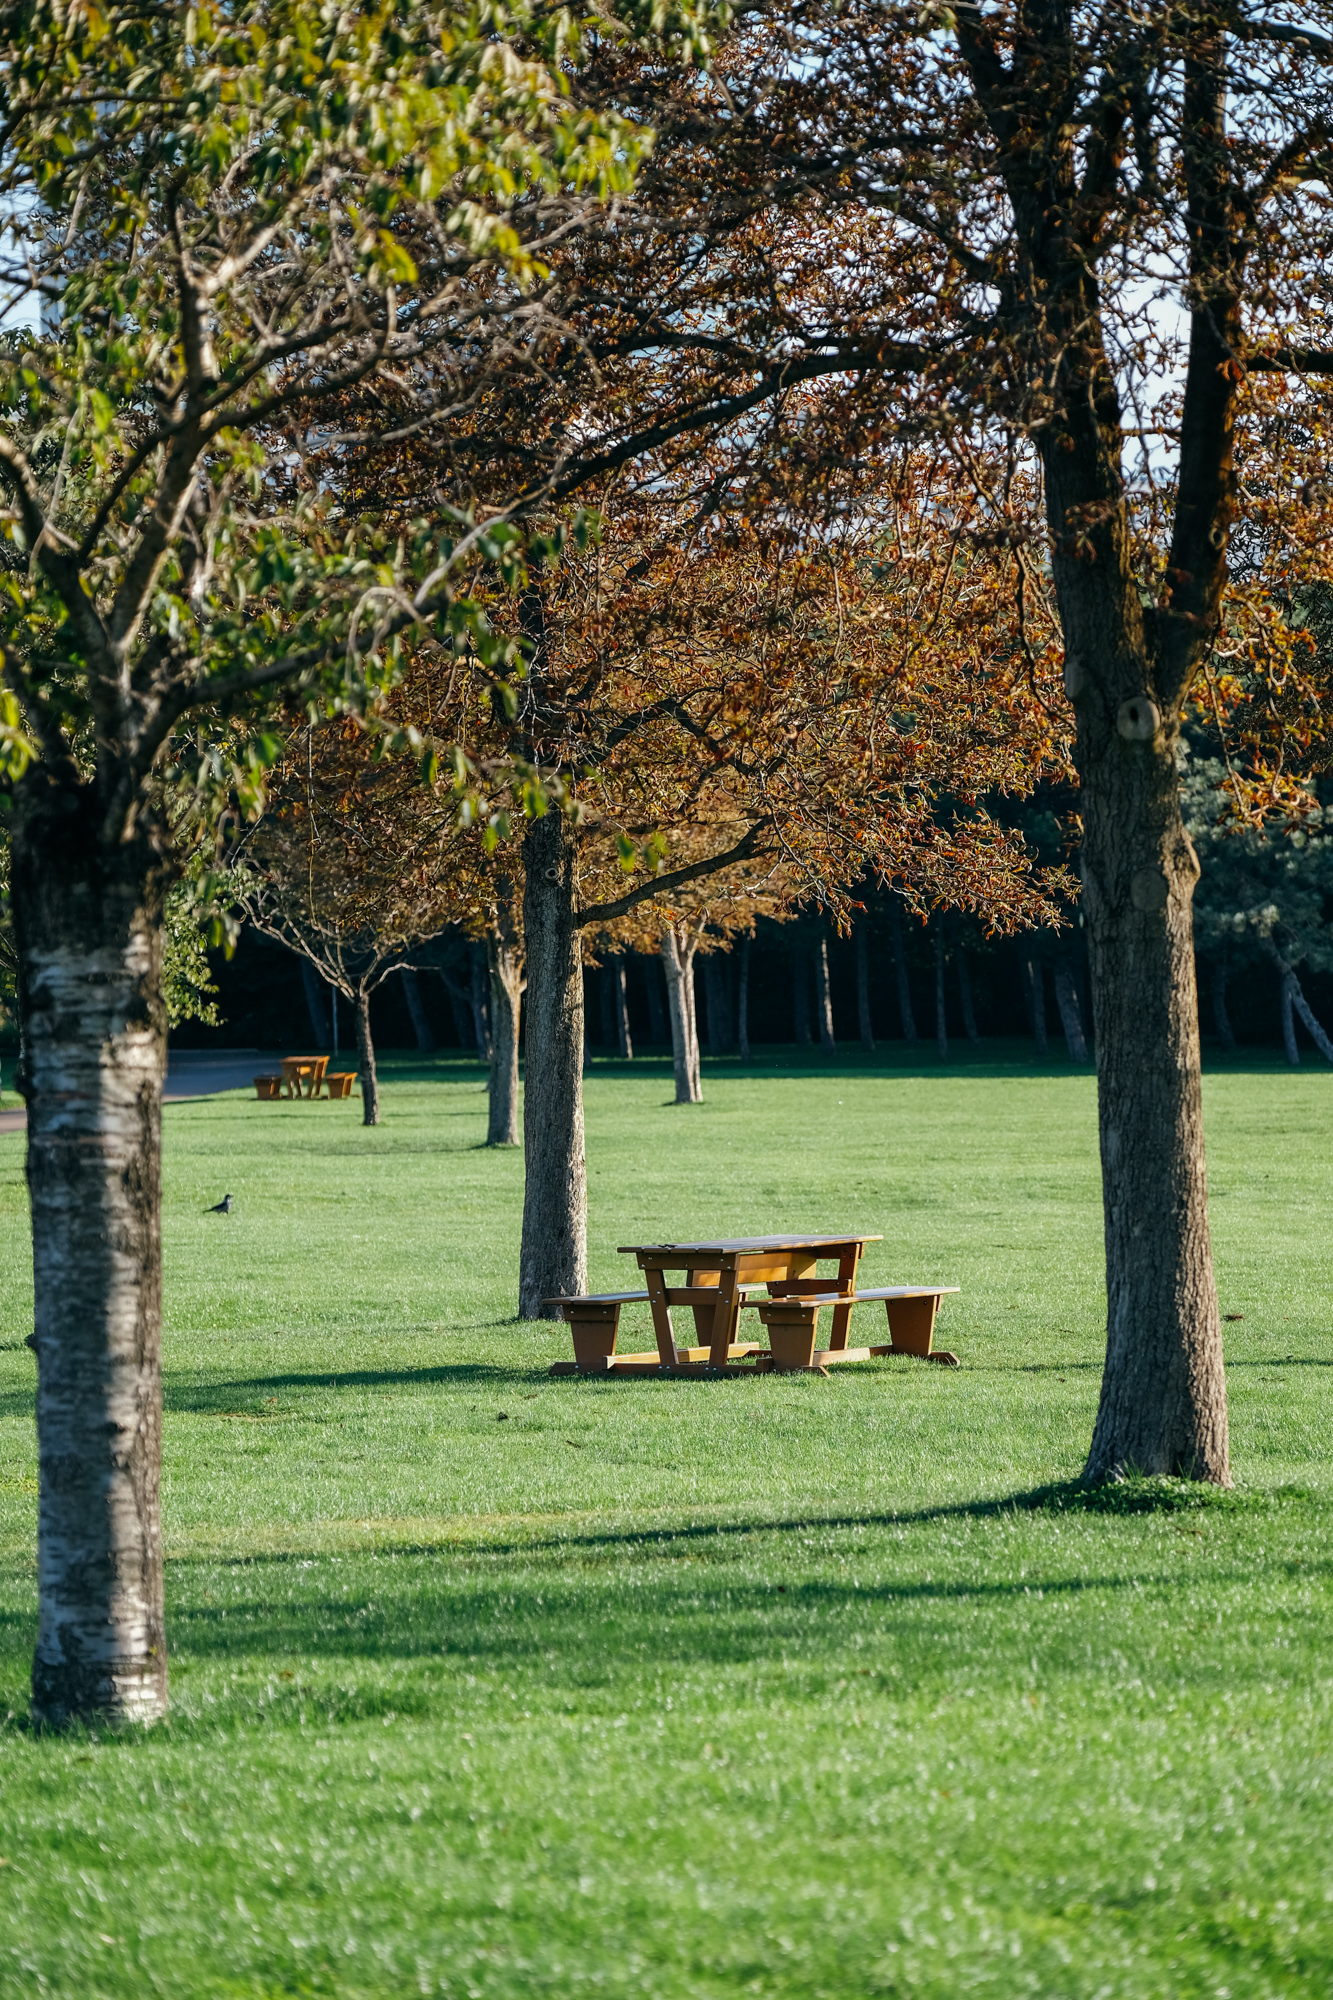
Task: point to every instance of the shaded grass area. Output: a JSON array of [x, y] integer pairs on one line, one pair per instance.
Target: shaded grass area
[[487, 1683]]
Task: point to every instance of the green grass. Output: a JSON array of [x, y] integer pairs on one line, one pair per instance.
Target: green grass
[[694, 1688]]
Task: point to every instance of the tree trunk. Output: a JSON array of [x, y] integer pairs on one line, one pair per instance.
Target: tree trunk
[[505, 962], [416, 1007], [88, 929], [1034, 992], [905, 1013], [1293, 998], [365, 1050], [941, 1022], [658, 1032], [678, 965], [719, 1011], [620, 1003], [863, 1020], [823, 996], [1066, 999], [317, 1005], [1221, 1018], [554, 1259], [743, 1002], [800, 994], [965, 997], [1163, 1402]]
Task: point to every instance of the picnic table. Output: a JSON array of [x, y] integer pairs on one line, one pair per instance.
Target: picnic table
[[307, 1070], [718, 1278]]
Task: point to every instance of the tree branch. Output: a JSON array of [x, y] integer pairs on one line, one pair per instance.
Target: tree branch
[[598, 913]]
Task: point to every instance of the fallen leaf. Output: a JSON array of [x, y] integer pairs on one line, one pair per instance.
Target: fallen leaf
[[286, 1675], [502, 1416], [1233, 1315]]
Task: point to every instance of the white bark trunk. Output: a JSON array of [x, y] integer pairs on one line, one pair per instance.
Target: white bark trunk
[[506, 968], [678, 950], [824, 997], [95, 1049]]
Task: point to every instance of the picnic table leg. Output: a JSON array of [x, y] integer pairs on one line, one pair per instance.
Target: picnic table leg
[[842, 1315], [703, 1315], [725, 1313], [661, 1312], [912, 1323]]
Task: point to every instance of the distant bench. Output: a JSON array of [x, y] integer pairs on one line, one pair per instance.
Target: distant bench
[[791, 1324]]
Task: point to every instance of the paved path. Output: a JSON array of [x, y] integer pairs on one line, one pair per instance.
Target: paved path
[[190, 1073]]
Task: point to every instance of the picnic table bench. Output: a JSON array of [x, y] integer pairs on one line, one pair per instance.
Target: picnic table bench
[[719, 1277]]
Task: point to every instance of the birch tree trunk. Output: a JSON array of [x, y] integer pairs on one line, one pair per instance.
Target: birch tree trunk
[[365, 1052], [863, 1020], [553, 1261], [678, 964], [416, 1008], [505, 960], [905, 1013], [620, 999], [743, 1001], [823, 996], [88, 925]]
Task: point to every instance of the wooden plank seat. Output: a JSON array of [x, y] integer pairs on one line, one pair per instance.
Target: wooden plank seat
[[911, 1311], [268, 1088], [594, 1323], [338, 1083], [792, 1324]]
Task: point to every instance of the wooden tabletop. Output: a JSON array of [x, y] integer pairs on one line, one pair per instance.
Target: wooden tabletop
[[741, 1245]]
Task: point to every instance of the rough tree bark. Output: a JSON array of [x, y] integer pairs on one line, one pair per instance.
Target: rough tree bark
[[678, 950], [905, 1014], [743, 1001], [416, 1008], [1071, 1019], [88, 925], [863, 1020], [365, 1052], [941, 1020], [317, 1005], [505, 959], [553, 1261], [823, 996]]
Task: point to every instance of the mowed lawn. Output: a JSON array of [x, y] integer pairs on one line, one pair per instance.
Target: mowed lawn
[[492, 1684]]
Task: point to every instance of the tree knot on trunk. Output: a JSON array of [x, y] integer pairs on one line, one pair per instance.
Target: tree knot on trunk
[[1138, 719]]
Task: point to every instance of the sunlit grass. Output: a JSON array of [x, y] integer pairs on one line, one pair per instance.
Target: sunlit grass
[[690, 1688]]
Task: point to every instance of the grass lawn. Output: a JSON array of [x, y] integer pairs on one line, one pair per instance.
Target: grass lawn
[[488, 1684]]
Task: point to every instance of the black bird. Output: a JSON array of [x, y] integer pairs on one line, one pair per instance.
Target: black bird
[[222, 1207]]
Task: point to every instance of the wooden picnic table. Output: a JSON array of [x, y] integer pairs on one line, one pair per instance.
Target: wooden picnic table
[[717, 1275], [307, 1070]]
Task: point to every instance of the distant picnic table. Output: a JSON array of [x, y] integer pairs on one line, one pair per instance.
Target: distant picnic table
[[719, 1276]]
